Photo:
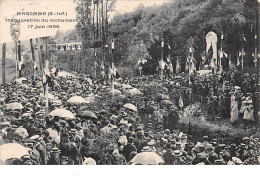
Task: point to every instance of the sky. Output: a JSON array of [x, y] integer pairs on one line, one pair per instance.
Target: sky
[[9, 8]]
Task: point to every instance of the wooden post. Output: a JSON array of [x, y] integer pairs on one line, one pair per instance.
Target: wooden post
[[47, 86], [19, 59], [162, 46], [3, 62], [33, 57]]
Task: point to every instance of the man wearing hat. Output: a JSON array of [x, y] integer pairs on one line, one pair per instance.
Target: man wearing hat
[[168, 157], [128, 148], [212, 155], [178, 158], [55, 157], [69, 149], [40, 148], [64, 160]]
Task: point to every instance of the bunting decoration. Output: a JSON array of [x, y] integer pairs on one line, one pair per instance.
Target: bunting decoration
[[178, 67]]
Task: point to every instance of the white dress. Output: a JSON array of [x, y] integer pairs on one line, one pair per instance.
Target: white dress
[[234, 109]]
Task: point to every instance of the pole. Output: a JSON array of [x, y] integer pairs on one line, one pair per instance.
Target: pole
[[47, 90], [20, 59], [33, 57], [112, 78], [162, 46], [3, 62], [16, 59], [242, 53]]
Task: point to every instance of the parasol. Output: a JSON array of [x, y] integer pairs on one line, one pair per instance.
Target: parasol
[[130, 106], [133, 91], [14, 106], [87, 114], [62, 113], [146, 158], [22, 132], [115, 91], [166, 102], [12, 150], [76, 100]]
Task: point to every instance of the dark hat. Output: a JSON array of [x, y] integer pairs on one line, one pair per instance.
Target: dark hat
[[233, 145], [29, 145]]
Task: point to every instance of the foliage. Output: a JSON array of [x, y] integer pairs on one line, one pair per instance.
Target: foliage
[[177, 22]]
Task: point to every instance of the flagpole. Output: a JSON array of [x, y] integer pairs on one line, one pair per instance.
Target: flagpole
[[162, 45], [47, 89], [113, 68], [242, 53]]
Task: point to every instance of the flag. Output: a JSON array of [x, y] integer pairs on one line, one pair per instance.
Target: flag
[[238, 61], [244, 38], [20, 65], [102, 66], [35, 67], [162, 64], [187, 64], [46, 76], [225, 54], [230, 63], [178, 67], [169, 47], [144, 61], [168, 60], [180, 101], [162, 44], [96, 64]]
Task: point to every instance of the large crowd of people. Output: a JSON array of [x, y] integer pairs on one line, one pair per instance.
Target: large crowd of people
[[88, 122]]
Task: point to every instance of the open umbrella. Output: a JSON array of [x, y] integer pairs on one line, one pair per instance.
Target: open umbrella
[[22, 132], [166, 102], [133, 91], [76, 100], [125, 86], [160, 97], [13, 106], [87, 114], [50, 96], [115, 91], [20, 80], [12, 150], [62, 113], [130, 106], [146, 158], [24, 86]]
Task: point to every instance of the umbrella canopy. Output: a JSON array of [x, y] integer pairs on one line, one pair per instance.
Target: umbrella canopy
[[20, 80], [160, 97], [13, 106], [133, 91], [24, 86], [22, 132], [125, 86], [76, 100], [62, 113], [12, 150], [88, 114], [146, 158], [130, 106], [166, 102], [50, 96], [115, 91]]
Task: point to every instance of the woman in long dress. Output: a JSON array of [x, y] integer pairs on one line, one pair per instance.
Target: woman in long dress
[[234, 109]]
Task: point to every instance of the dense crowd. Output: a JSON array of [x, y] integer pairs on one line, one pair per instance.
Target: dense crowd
[[135, 123]]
